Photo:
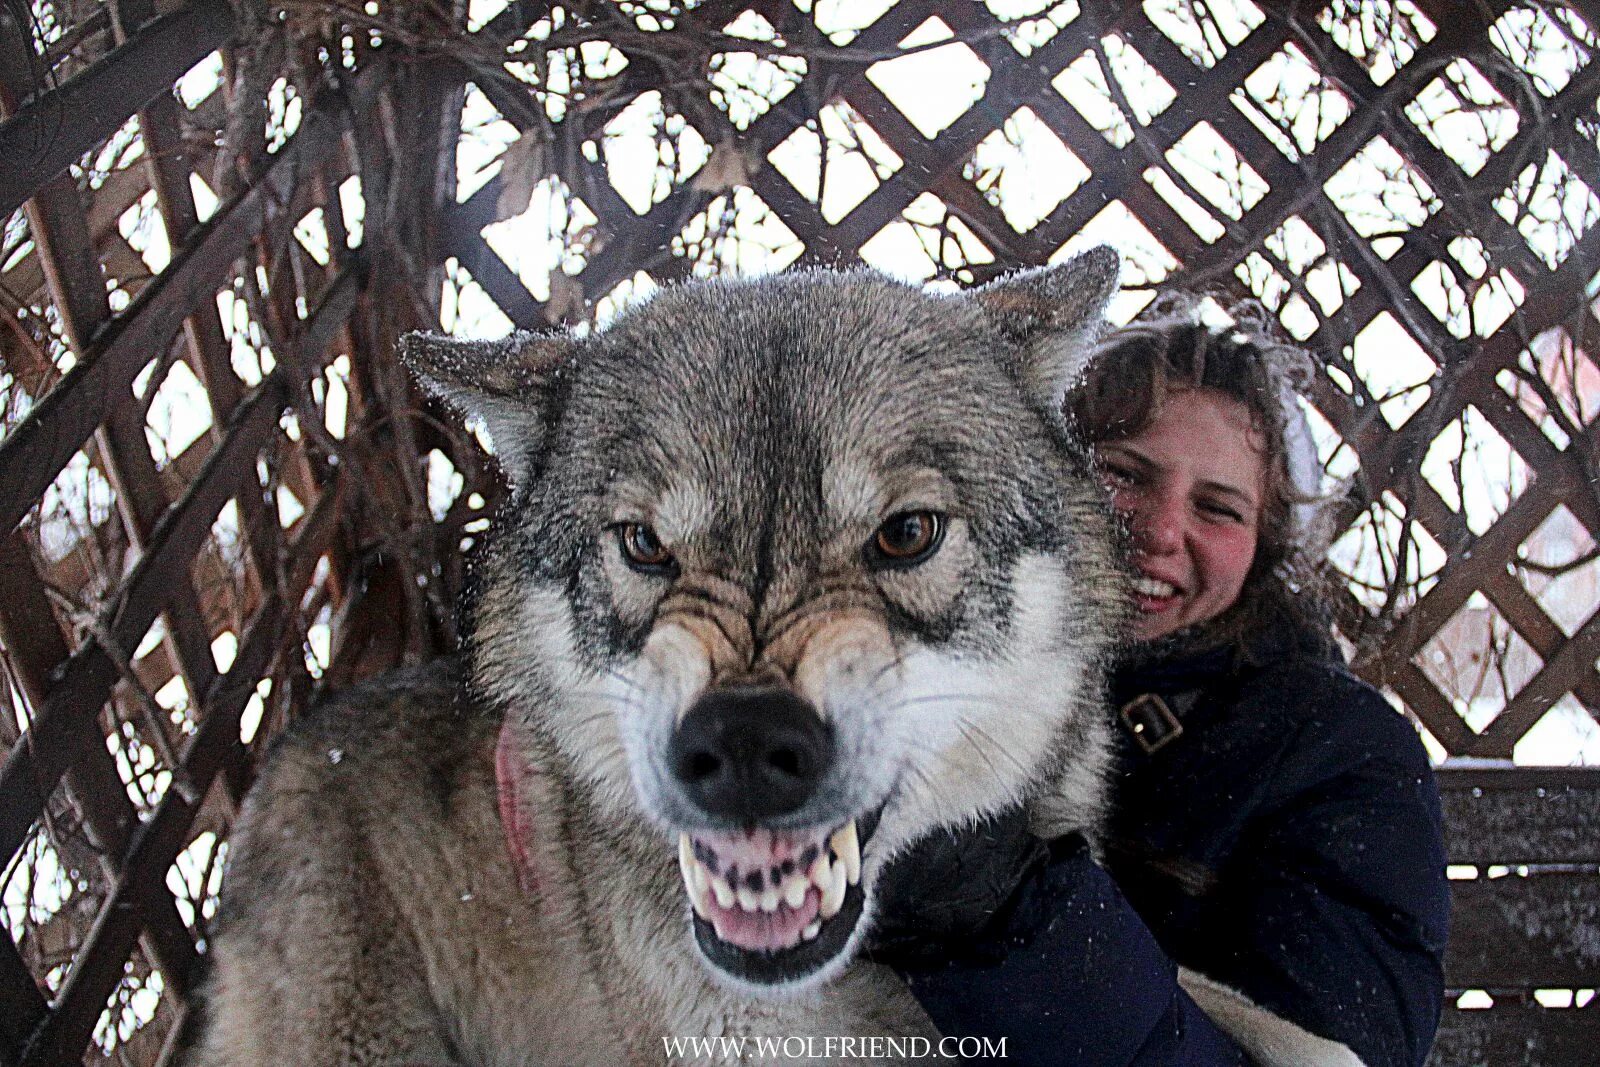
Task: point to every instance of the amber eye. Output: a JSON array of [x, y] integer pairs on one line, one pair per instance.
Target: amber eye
[[641, 547], [907, 537]]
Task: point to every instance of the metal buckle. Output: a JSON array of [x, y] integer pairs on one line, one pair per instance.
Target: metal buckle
[[1151, 722]]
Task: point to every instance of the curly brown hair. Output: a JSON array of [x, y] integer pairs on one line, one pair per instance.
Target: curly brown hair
[[1171, 348]]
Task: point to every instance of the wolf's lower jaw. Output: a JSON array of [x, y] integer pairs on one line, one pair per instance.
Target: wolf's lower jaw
[[774, 907]]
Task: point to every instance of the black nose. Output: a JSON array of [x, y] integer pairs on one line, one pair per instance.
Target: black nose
[[750, 754]]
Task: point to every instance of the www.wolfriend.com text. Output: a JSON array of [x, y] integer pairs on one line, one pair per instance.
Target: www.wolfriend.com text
[[833, 1048]]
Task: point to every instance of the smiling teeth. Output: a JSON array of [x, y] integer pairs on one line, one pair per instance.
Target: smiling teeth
[[835, 868], [1153, 587]]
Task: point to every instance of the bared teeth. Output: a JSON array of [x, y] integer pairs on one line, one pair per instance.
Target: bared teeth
[[831, 864], [847, 846], [811, 931], [833, 893], [694, 876], [794, 890], [819, 872]]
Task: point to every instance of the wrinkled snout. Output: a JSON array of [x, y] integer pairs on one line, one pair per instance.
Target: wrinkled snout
[[748, 754]]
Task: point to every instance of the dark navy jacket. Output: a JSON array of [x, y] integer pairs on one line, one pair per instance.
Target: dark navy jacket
[[1286, 844]]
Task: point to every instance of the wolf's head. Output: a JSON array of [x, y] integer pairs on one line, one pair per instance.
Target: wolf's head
[[797, 570]]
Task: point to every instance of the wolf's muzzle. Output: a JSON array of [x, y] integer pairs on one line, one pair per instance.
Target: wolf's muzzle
[[749, 754]]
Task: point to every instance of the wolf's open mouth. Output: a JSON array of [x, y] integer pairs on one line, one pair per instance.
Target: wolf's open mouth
[[774, 906]]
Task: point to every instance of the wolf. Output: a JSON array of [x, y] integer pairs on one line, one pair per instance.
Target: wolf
[[791, 573]]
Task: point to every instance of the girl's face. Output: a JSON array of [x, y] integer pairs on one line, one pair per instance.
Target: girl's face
[[1190, 487]]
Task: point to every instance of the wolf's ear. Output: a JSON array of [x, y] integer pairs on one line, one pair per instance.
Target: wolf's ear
[[510, 384], [1056, 313]]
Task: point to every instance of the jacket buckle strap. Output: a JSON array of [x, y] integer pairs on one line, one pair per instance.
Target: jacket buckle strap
[[1151, 722]]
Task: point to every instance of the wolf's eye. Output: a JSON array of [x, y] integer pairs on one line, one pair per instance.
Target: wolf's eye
[[641, 548], [906, 537]]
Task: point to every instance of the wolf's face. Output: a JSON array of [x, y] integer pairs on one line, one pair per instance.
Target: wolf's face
[[797, 570]]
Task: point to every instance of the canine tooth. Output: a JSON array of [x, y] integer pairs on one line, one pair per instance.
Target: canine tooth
[[820, 871], [833, 895], [847, 844], [701, 901], [723, 892], [686, 862], [794, 890], [769, 899], [748, 899], [702, 879], [811, 931]]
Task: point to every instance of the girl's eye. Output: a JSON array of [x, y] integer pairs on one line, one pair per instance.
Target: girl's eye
[[641, 548], [1116, 474], [1222, 511], [907, 538]]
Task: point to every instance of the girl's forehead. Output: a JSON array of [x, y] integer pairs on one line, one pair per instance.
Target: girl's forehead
[[1205, 432]]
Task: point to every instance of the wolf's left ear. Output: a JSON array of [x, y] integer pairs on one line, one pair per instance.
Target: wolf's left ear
[[1056, 314], [510, 384]]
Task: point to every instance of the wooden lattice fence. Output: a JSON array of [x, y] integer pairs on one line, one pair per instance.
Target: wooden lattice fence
[[220, 496]]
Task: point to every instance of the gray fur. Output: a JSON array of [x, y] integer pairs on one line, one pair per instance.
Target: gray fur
[[372, 914]]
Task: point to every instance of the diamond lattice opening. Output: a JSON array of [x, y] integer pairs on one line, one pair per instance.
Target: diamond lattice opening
[[842, 21], [77, 503], [179, 414], [1565, 736], [932, 86], [552, 235], [1385, 561], [746, 85], [1382, 35], [485, 136], [1034, 23], [737, 234], [1478, 661], [1084, 85], [1381, 194], [1395, 369], [1555, 384], [855, 163], [1216, 171], [249, 354], [465, 310], [1474, 470], [1549, 46], [649, 151], [1559, 563], [138, 1015], [1024, 170], [1291, 102], [1551, 207], [1464, 116], [1204, 32], [927, 243]]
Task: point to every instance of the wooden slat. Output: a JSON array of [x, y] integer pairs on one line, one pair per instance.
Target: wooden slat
[[55, 127], [60, 723], [44, 440], [1521, 816], [1535, 932]]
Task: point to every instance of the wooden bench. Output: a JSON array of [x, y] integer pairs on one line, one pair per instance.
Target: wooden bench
[[1526, 917]]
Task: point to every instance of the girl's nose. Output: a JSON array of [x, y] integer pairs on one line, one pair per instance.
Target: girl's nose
[[1157, 524]]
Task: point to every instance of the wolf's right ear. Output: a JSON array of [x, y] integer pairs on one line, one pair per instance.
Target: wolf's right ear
[[510, 384], [1056, 313]]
